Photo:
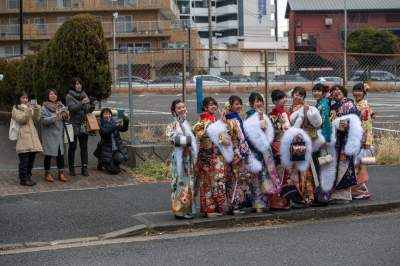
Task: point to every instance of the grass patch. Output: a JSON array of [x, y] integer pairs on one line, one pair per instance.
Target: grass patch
[[388, 149], [151, 172]]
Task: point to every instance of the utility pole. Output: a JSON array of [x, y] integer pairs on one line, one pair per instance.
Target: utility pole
[[21, 29], [190, 46], [345, 43], [276, 20], [210, 36]]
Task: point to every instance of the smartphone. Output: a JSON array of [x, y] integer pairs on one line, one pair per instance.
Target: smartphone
[[33, 102]]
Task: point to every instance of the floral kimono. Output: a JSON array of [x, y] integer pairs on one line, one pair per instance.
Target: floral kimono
[[260, 132], [366, 115], [347, 143], [280, 121], [209, 169], [236, 173], [182, 166], [306, 180]]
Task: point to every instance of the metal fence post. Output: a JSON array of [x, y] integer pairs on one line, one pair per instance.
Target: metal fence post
[[345, 68], [130, 94], [183, 74], [266, 80]]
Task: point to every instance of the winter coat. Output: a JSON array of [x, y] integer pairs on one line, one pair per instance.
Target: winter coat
[[77, 110], [28, 139], [104, 150], [52, 132]]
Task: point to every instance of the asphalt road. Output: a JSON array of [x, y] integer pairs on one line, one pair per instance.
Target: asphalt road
[[154, 109], [73, 214], [366, 240]]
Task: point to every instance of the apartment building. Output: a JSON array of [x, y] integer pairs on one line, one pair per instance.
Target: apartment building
[[244, 24], [140, 24]]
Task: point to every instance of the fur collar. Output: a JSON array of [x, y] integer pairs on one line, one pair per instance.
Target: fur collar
[[218, 130], [260, 138], [285, 149], [353, 144]]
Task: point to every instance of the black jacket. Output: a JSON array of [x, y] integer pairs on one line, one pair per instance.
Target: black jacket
[[104, 150]]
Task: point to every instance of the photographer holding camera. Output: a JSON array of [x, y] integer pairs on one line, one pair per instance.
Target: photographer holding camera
[[79, 105], [52, 125]]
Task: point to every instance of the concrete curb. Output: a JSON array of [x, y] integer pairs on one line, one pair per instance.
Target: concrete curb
[[229, 221]]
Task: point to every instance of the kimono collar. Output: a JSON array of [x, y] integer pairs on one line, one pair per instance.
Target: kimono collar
[[279, 110], [236, 116], [208, 116], [250, 112]]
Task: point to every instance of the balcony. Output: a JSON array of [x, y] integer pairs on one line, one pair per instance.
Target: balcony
[[162, 28], [168, 8]]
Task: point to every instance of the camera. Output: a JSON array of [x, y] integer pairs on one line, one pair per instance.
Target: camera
[[92, 99]]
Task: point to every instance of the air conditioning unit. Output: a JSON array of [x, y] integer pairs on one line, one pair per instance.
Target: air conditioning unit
[[304, 36], [328, 22]]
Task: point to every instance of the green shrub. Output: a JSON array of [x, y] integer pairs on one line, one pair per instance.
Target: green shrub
[[25, 75], [8, 85]]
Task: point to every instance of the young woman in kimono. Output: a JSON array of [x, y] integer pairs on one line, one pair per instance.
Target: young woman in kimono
[[184, 156], [346, 136], [303, 176], [325, 170], [360, 191], [237, 172], [260, 133], [280, 121], [210, 164]]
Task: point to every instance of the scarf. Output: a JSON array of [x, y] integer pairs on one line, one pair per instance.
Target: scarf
[[52, 107], [110, 123], [208, 117], [77, 95], [250, 112]]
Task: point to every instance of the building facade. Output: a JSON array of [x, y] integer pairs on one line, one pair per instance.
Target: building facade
[[141, 24]]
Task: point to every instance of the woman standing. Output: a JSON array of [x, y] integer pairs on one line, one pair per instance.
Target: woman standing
[[347, 135], [78, 105], [210, 164], [110, 151], [28, 143], [183, 160], [52, 125], [360, 191], [237, 172], [280, 121], [260, 132]]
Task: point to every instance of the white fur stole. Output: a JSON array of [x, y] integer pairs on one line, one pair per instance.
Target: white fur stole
[[214, 131], [353, 144], [179, 150], [259, 138], [253, 165], [286, 141], [313, 117]]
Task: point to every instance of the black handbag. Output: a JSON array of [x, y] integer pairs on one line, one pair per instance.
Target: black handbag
[[298, 149]]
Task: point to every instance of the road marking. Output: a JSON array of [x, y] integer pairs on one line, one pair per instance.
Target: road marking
[[386, 129]]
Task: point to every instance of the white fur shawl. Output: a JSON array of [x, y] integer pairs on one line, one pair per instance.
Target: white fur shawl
[[353, 144], [214, 131], [179, 150], [286, 141], [313, 116], [253, 165], [259, 138]]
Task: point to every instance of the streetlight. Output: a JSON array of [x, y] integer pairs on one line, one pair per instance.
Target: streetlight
[[114, 22]]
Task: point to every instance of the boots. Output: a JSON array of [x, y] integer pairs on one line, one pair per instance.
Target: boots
[[84, 171], [61, 176], [72, 171], [48, 177]]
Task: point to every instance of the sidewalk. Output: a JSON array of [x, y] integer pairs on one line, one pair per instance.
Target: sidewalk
[[136, 209]]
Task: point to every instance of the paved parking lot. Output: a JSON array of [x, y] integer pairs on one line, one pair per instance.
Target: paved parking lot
[[154, 109]]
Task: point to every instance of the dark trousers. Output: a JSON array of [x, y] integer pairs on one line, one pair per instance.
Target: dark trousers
[[83, 140], [25, 166], [60, 161]]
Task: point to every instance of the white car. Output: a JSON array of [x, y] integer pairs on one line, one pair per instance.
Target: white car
[[1, 77], [329, 80], [211, 80]]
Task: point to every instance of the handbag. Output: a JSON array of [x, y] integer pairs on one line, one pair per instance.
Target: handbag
[[91, 123], [298, 149], [68, 133], [13, 131], [325, 157]]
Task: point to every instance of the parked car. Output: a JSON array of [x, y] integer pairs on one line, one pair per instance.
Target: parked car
[[168, 80], [211, 80], [289, 78], [329, 80], [373, 75], [238, 78]]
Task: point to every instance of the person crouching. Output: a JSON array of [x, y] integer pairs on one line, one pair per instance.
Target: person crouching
[[111, 151]]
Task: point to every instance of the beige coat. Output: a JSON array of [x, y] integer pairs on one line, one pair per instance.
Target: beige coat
[[28, 139]]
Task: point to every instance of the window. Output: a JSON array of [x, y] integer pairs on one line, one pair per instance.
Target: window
[[358, 18], [271, 56], [272, 17], [40, 3], [124, 24], [39, 23], [272, 32], [13, 26], [227, 17], [61, 20], [13, 4], [393, 17]]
